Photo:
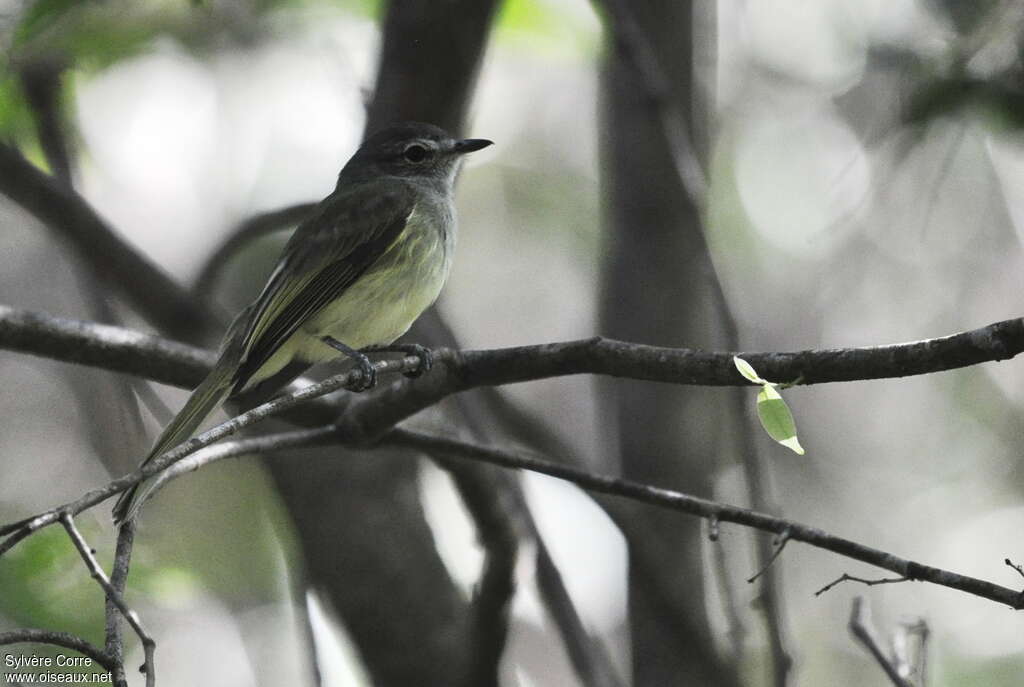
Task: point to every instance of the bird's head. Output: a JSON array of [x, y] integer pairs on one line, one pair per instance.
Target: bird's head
[[410, 149]]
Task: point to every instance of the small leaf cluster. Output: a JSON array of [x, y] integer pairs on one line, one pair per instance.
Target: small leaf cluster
[[775, 416]]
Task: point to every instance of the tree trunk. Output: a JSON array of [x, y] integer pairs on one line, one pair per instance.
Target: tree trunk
[[658, 288]]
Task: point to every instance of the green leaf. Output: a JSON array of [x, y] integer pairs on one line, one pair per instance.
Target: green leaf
[[777, 419], [747, 370]]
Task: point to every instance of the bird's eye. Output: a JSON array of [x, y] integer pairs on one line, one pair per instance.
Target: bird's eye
[[415, 153]]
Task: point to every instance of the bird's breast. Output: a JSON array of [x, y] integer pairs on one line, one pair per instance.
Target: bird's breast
[[383, 303]]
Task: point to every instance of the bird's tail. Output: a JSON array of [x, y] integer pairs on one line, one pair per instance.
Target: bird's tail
[[207, 396]]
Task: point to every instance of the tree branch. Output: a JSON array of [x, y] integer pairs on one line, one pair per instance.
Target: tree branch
[[112, 346], [156, 296], [488, 407], [89, 557], [118, 579], [864, 632], [998, 341], [368, 416], [15, 532], [124, 350], [41, 82], [586, 653], [653, 92], [498, 532], [604, 484], [106, 346], [134, 353], [708, 509]]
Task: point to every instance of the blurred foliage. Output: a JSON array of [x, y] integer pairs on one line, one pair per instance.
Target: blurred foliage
[[530, 16], [243, 567], [547, 25], [86, 36], [15, 118], [92, 35], [46, 585]]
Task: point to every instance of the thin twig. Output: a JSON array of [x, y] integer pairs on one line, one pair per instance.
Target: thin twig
[[234, 448], [735, 629], [704, 508], [21, 529], [862, 630], [713, 529], [89, 557], [1015, 566], [61, 639], [656, 496], [779, 543], [867, 582]]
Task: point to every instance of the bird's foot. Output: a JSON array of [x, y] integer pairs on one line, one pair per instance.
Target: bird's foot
[[367, 372], [424, 354]]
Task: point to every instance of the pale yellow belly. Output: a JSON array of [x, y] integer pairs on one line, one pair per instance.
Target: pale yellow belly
[[379, 307]]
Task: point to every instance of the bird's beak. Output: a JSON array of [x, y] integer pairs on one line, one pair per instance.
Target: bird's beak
[[469, 145]]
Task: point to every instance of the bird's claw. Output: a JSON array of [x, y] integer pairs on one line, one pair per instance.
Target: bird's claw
[[426, 360], [367, 374]]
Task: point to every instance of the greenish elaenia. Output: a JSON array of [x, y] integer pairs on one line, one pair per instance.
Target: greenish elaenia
[[366, 263]]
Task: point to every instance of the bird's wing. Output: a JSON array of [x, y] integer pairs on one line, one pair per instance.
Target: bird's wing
[[327, 253]]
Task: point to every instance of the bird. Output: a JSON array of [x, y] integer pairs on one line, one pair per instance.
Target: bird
[[353, 277]]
